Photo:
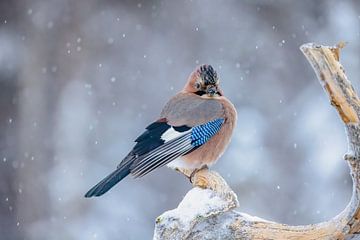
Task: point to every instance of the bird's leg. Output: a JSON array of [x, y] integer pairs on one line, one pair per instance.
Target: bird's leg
[[190, 174], [184, 171], [206, 179]]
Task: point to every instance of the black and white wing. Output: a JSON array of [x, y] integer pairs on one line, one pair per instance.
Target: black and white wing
[[162, 143]]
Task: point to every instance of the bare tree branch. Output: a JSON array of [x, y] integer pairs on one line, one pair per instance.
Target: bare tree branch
[[207, 211]]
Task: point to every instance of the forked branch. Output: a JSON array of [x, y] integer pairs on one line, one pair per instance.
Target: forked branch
[[207, 211]]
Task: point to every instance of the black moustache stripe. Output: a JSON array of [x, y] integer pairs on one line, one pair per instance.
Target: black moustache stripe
[[200, 93]]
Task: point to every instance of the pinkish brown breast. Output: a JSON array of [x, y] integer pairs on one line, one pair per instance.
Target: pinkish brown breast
[[210, 152]]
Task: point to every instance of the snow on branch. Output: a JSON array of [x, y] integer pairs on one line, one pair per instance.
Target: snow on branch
[[207, 210]]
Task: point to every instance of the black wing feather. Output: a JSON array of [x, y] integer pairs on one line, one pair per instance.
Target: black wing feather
[[151, 151], [151, 138], [162, 155], [109, 181]]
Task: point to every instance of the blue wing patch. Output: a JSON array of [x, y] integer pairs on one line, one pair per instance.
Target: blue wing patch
[[202, 133]]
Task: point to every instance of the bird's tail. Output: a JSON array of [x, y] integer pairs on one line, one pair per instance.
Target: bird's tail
[[108, 182]]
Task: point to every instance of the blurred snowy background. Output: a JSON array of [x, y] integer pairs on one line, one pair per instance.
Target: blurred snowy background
[[79, 81]]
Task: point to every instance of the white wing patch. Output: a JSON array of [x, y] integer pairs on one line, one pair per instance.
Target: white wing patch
[[171, 134]]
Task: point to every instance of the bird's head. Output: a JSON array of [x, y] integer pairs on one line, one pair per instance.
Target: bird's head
[[204, 81]]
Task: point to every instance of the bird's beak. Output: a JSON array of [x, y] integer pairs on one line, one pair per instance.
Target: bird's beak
[[211, 91]]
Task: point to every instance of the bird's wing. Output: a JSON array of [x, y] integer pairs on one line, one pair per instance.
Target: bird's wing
[[161, 143], [191, 110]]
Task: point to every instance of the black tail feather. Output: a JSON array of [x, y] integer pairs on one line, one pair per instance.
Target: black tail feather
[[108, 182]]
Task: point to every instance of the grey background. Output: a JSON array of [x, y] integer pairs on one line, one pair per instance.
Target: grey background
[[79, 81]]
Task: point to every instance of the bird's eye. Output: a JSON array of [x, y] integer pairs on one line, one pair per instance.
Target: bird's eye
[[197, 85]]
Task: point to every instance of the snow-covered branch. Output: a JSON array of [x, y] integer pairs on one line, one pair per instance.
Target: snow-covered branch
[[207, 211]]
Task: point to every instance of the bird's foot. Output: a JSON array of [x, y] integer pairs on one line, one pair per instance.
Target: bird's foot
[[206, 179], [201, 181], [190, 174], [197, 177]]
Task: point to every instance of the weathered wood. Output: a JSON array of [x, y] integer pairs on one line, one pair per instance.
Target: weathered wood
[[207, 211]]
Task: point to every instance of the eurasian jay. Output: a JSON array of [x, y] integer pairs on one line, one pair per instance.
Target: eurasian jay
[[192, 132]]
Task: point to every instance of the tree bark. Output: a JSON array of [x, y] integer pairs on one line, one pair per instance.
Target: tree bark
[[207, 211]]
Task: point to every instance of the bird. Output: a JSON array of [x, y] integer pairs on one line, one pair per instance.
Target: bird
[[192, 132]]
